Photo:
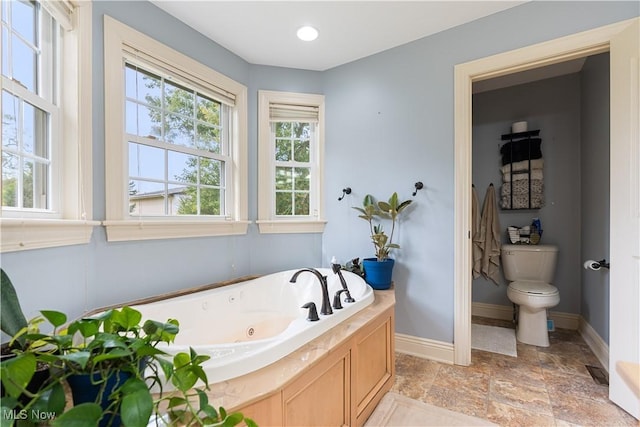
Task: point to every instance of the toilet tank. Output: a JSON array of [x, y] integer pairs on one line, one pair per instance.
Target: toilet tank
[[529, 262]]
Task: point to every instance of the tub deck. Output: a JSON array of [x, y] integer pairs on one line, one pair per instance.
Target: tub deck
[[242, 391]]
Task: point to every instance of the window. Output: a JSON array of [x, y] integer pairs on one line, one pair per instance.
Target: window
[[176, 143], [46, 125], [178, 147], [291, 142]]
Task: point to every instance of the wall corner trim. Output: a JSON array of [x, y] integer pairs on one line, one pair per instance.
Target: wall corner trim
[[425, 348], [599, 347]]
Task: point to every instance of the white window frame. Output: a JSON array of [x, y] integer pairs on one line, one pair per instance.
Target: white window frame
[[69, 222], [268, 222], [119, 224]]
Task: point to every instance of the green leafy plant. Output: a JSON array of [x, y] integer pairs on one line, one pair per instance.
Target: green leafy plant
[[112, 344], [354, 266], [374, 212], [12, 319]]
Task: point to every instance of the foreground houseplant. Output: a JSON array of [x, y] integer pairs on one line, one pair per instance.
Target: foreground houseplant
[[379, 270], [116, 356]]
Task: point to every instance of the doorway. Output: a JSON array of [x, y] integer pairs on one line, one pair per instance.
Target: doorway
[[621, 40], [567, 105]]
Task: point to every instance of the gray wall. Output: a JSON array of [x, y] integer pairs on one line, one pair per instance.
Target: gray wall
[[553, 106], [389, 124], [595, 191]]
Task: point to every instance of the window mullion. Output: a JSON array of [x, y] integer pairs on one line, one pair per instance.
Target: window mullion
[[19, 138], [166, 182], [20, 91]]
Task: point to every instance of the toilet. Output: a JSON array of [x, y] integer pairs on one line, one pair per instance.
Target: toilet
[[530, 269]]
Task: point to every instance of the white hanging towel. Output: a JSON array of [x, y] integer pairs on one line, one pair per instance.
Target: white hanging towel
[[489, 238], [475, 233]]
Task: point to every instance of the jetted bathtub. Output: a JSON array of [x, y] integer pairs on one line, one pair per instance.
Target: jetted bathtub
[[248, 325]]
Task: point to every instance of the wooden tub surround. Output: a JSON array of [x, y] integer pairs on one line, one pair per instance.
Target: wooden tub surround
[[335, 380]]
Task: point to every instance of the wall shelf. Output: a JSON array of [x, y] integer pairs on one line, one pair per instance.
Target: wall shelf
[[530, 153]]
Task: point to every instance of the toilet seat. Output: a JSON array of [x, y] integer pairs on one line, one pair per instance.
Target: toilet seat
[[534, 288]]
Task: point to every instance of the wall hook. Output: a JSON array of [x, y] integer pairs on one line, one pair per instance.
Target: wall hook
[[419, 186], [344, 191]]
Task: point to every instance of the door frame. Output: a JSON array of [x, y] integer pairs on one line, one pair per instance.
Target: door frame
[[574, 46]]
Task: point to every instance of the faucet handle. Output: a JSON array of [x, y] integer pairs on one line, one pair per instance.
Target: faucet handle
[[349, 298], [337, 304], [313, 312]]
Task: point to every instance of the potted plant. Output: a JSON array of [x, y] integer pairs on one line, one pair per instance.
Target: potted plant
[[379, 270], [116, 357], [14, 323]]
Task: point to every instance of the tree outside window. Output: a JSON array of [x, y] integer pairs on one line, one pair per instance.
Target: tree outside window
[[293, 168]]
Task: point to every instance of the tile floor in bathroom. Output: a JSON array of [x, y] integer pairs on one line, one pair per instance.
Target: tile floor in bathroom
[[541, 387]]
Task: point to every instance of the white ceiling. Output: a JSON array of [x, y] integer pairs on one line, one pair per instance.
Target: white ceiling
[[264, 32]]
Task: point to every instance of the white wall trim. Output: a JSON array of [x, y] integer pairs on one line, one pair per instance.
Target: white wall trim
[[505, 312], [565, 320], [444, 352], [492, 311], [562, 320], [424, 348], [595, 342], [268, 222], [118, 37]]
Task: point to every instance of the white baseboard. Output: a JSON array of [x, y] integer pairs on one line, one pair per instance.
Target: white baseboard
[[505, 312], [595, 342], [566, 320], [424, 348], [492, 311], [561, 320]]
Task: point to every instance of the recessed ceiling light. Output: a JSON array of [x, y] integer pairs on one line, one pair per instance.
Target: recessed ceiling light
[[307, 33]]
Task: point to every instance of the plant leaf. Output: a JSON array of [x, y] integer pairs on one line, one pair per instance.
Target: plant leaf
[[203, 400], [137, 403], [86, 327], [385, 207], [176, 401], [128, 318], [393, 201], [233, 420], [183, 378], [17, 372], [404, 205], [82, 415], [79, 357], [368, 200], [56, 318], [11, 317]]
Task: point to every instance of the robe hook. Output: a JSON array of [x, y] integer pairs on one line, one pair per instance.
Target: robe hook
[[344, 191], [419, 185]]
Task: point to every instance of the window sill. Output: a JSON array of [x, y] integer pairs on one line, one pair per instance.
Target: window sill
[[119, 231], [19, 234], [290, 226]]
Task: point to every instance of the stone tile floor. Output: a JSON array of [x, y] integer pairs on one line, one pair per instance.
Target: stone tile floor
[[541, 387]]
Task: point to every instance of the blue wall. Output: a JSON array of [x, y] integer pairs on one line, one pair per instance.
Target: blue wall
[[594, 224], [78, 278], [389, 124]]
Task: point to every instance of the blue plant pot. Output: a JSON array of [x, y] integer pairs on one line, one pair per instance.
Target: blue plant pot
[[378, 273], [83, 390]]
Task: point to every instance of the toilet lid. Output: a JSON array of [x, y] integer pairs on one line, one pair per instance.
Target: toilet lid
[[537, 288]]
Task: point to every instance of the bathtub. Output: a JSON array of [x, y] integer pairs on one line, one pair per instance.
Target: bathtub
[[248, 325]]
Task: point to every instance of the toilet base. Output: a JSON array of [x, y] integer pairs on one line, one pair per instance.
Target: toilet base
[[532, 327]]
